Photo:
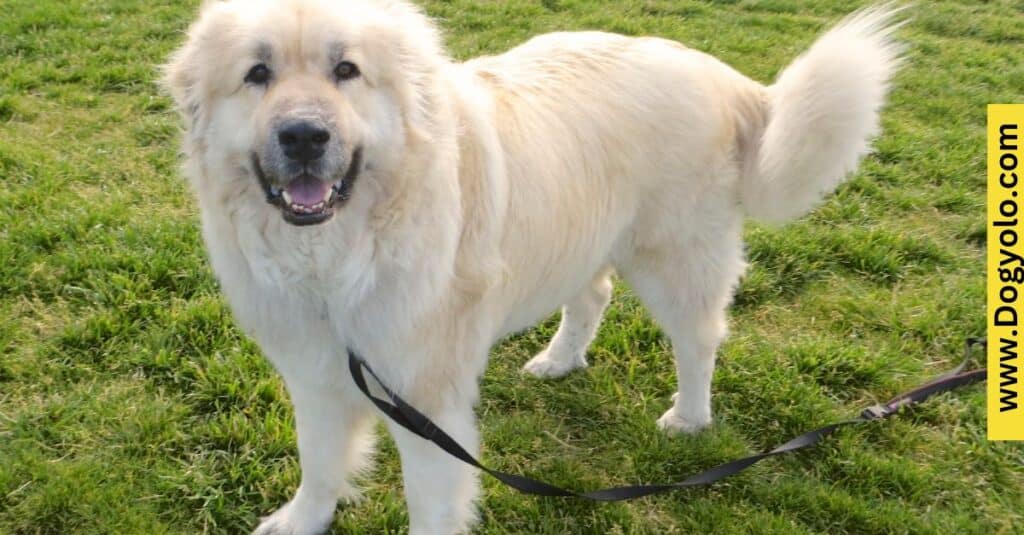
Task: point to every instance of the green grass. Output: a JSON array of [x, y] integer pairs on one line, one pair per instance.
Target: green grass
[[130, 404]]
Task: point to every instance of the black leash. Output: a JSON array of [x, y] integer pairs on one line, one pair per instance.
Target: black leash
[[408, 417]]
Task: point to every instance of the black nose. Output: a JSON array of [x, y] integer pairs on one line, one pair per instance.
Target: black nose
[[303, 141]]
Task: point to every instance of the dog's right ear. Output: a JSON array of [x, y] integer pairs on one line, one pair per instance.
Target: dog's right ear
[[179, 81], [180, 75]]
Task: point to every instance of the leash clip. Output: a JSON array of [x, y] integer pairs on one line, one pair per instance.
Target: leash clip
[[980, 342], [875, 412]]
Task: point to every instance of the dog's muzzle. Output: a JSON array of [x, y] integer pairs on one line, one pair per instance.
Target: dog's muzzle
[[308, 199]]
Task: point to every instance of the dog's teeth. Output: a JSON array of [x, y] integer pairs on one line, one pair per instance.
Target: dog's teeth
[[318, 206], [287, 198]]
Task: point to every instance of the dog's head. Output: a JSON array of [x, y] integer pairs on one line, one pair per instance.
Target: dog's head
[[303, 96]]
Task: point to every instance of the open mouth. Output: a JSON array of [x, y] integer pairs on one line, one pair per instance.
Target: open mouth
[[308, 199]]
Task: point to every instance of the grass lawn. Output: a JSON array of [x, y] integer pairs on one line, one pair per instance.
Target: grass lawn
[[129, 403]]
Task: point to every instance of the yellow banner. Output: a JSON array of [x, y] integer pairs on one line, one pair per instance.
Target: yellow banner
[[1005, 271]]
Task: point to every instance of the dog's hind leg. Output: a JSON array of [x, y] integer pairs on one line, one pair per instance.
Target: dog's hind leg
[[580, 319], [687, 287]]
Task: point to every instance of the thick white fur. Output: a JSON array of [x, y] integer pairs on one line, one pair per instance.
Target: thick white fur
[[496, 190]]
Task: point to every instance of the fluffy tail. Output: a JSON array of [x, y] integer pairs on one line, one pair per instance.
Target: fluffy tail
[[822, 114]]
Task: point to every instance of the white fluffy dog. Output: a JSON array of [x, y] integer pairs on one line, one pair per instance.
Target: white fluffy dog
[[360, 189]]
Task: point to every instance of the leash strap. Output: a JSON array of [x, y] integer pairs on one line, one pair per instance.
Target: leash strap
[[417, 423]]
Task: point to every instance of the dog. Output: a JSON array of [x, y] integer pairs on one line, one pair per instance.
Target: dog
[[360, 189]]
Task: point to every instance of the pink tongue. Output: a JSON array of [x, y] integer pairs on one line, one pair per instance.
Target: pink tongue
[[307, 190]]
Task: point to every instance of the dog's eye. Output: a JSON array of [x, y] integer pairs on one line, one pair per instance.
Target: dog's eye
[[259, 75], [346, 70]]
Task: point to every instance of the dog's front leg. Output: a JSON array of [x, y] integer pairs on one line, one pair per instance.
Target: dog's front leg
[[440, 490], [335, 431]]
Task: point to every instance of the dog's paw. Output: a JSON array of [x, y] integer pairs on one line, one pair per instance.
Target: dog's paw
[[545, 366], [290, 520], [676, 421]]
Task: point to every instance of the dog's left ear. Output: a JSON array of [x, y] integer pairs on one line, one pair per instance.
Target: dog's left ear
[[413, 43]]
